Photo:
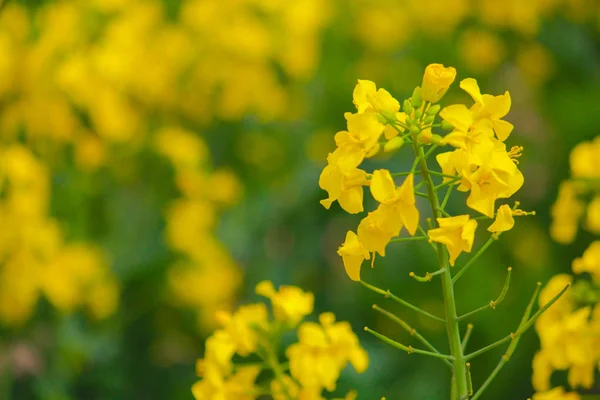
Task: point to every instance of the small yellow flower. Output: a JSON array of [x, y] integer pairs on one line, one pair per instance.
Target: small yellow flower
[[359, 141], [566, 211], [397, 203], [367, 98], [353, 253], [456, 233], [436, 81], [372, 233], [504, 220], [243, 326], [589, 262], [290, 304], [346, 187]]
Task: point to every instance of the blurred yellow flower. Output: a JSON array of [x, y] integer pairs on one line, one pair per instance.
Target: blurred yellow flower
[[290, 304]]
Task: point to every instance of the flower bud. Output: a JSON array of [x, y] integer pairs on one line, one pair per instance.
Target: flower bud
[[446, 126], [414, 129], [393, 144], [416, 99], [418, 114], [388, 115], [425, 136], [433, 110], [436, 81], [429, 119], [437, 139], [408, 108], [373, 150]]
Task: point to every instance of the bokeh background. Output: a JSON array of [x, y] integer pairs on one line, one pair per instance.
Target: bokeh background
[[158, 158]]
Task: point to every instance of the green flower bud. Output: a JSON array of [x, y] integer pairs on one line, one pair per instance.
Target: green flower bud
[[408, 108], [393, 144], [425, 136], [415, 99], [429, 119], [388, 115], [409, 121], [414, 129], [381, 119], [446, 126], [418, 114], [436, 139], [433, 110]]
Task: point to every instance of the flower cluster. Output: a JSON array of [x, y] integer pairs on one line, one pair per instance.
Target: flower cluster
[[35, 258], [246, 346], [480, 164], [570, 332]]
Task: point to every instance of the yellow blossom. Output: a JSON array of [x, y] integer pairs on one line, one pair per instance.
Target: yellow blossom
[[372, 232], [342, 185], [436, 81], [353, 253], [244, 325], [397, 204], [566, 211], [366, 98], [290, 304], [359, 141], [592, 219], [583, 159], [504, 220], [456, 233], [589, 262]]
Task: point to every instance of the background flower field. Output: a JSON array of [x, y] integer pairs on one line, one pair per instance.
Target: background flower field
[[160, 158]]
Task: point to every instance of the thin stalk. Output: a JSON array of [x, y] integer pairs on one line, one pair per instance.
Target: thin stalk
[[387, 293], [452, 328], [521, 329], [409, 349], [467, 336], [410, 330], [424, 233], [431, 150], [428, 275], [492, 304], [468, 265], [408, 239], [511, 348], [446, 197]]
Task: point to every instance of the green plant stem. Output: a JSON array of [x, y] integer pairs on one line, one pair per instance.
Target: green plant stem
[[523, 327], [470, 263], [428, 275], [388, 294], [410, 330], [511, 348], [492, 304], [409, 349], [452, 323], [430, 151], [409, 239], [447, 197], [467, 336]]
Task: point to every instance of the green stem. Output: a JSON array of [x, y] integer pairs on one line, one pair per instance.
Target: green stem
[[474, 258], [410, 330], [428, 275], [521, 329], [397, 299], [452, 324], [409, 349], [492, 304], [467, 336], [408, 239]]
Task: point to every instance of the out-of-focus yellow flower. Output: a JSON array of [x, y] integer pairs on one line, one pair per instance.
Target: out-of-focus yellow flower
[[589, 262], [345, 187], [481, 50], [566, 212], [436, 82], [322, 351], [592, 220], [353, 253], [504, 220], [557, 393], [290, 304], [397, 204], [243, 326], [583, 159], [536, 63], [456, 233]]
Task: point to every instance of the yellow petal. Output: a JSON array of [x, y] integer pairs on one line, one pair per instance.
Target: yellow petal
[[383, 188], [470, 86], [504, 220], [459, 116]]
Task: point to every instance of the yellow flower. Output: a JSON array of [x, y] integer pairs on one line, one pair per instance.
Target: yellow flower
[[346, 188], [589, 262], [244, 326], [542, 371], [322, 351], [290, 304], [353, 253], [239, 385], [456, 233], [366, 98], [397, 203], [592, 220], [566, 211], [436, 81], [489, 107], [583, 159], [504, 220], [359, 141], [557, 393], [372, 233]]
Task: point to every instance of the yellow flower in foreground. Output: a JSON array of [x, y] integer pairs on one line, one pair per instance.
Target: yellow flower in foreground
[[556, 394], [366, 97], [372, 233], [397, 204], [436, 81], [290, 304], [346, 188], [504, 220], [589, 262], [359, 141], [456, 233], [353, 253]]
